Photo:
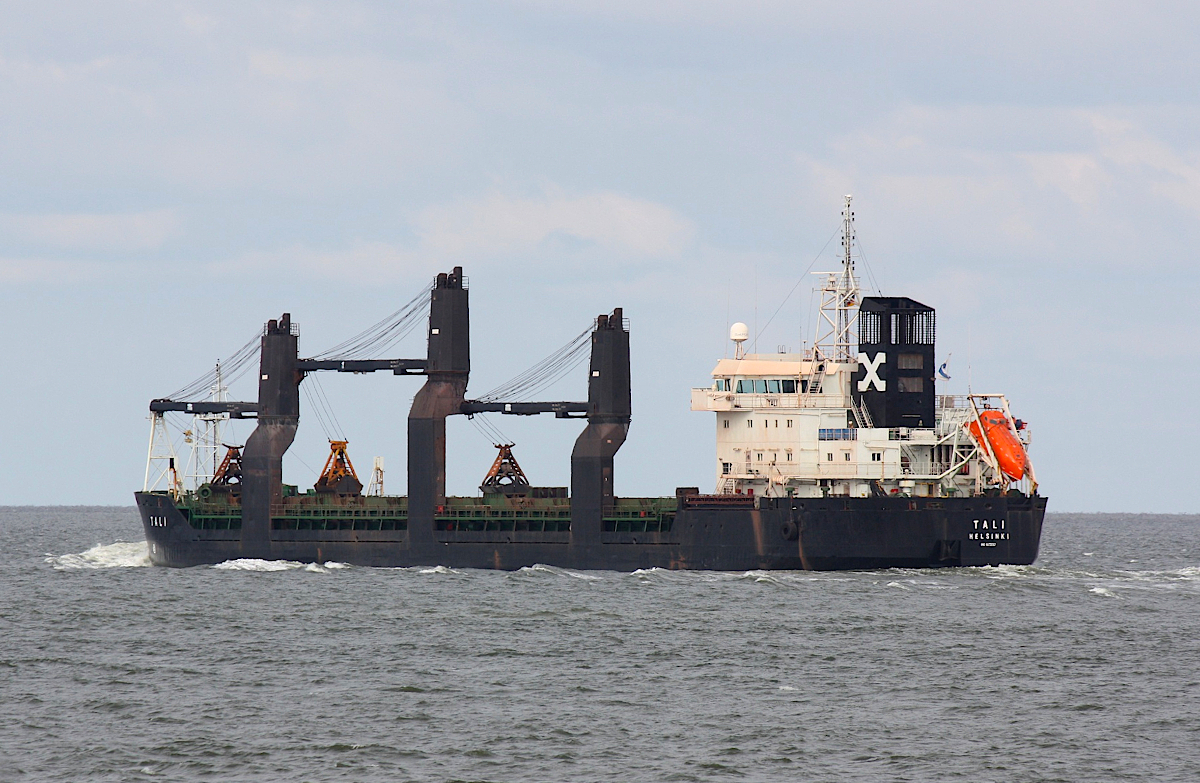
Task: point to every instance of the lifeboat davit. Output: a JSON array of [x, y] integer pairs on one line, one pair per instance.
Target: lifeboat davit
[[1005, 445]]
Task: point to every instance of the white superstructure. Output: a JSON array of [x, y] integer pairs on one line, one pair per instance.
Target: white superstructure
[[792, 424]]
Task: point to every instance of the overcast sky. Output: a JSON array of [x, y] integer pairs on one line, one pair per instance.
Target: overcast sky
[[173, 174]]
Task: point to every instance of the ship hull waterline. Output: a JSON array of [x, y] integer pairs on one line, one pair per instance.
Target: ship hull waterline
[[821, 534]]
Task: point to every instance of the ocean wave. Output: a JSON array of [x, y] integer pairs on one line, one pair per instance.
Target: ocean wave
[[440, 569], [759, 577], [545, 569], [1185, 574], [325, 568], [117, 555], [1033, 573], [1104, 591], [665, 575], [756, 576], [1007, 571]]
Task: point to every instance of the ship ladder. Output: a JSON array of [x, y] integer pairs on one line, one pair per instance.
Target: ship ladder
[[863, 415]]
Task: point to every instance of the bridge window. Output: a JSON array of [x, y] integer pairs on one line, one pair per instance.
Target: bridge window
[[773, 386], [911, 384], [910, 361], [789, 385], [756, 386]]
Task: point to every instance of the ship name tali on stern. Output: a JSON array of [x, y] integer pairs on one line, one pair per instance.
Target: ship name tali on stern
[[842, 456]]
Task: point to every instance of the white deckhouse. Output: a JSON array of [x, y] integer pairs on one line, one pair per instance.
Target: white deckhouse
[[857, 414]]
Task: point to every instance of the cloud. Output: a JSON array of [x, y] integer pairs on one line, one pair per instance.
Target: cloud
[[237, 115], [361, 260], [1020, 187], [610, 221], [127, 231], [40, 271], [200, 24], [1082, 177], [1132, 150], [556, 227]]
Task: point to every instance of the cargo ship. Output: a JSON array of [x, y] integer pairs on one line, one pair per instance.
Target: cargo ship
[[842, 456]]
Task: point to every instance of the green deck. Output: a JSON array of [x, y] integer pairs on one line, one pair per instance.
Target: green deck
[[490, 512]]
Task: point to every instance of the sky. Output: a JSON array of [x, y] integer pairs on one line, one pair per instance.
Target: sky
[[174, 174]]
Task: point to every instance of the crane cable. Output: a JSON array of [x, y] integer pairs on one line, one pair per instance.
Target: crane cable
[[231, 369], [383, 334], [377, 337], [487, 429], [545, 373]]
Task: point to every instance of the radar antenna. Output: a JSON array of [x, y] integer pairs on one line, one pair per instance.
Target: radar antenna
[[839, 300]]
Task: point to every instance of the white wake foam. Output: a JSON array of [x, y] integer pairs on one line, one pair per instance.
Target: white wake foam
[[119, 555], [255, 564], [1103, 591]]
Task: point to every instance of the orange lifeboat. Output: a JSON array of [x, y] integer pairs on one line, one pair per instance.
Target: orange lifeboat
[[1005, 445]]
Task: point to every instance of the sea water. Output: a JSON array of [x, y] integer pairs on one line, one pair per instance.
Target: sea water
[[1083, 667]]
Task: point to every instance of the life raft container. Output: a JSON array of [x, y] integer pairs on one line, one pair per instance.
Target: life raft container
[[1010, 454]]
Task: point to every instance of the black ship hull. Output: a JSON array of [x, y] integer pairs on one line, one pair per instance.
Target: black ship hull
[[780, 534]]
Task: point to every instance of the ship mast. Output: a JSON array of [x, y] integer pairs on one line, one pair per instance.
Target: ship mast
[[205, 436], [839, 301]]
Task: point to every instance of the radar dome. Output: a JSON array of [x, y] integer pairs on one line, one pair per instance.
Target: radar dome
[[739, 332]]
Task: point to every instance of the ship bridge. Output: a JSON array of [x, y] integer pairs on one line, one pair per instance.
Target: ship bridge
[[857, 414]]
